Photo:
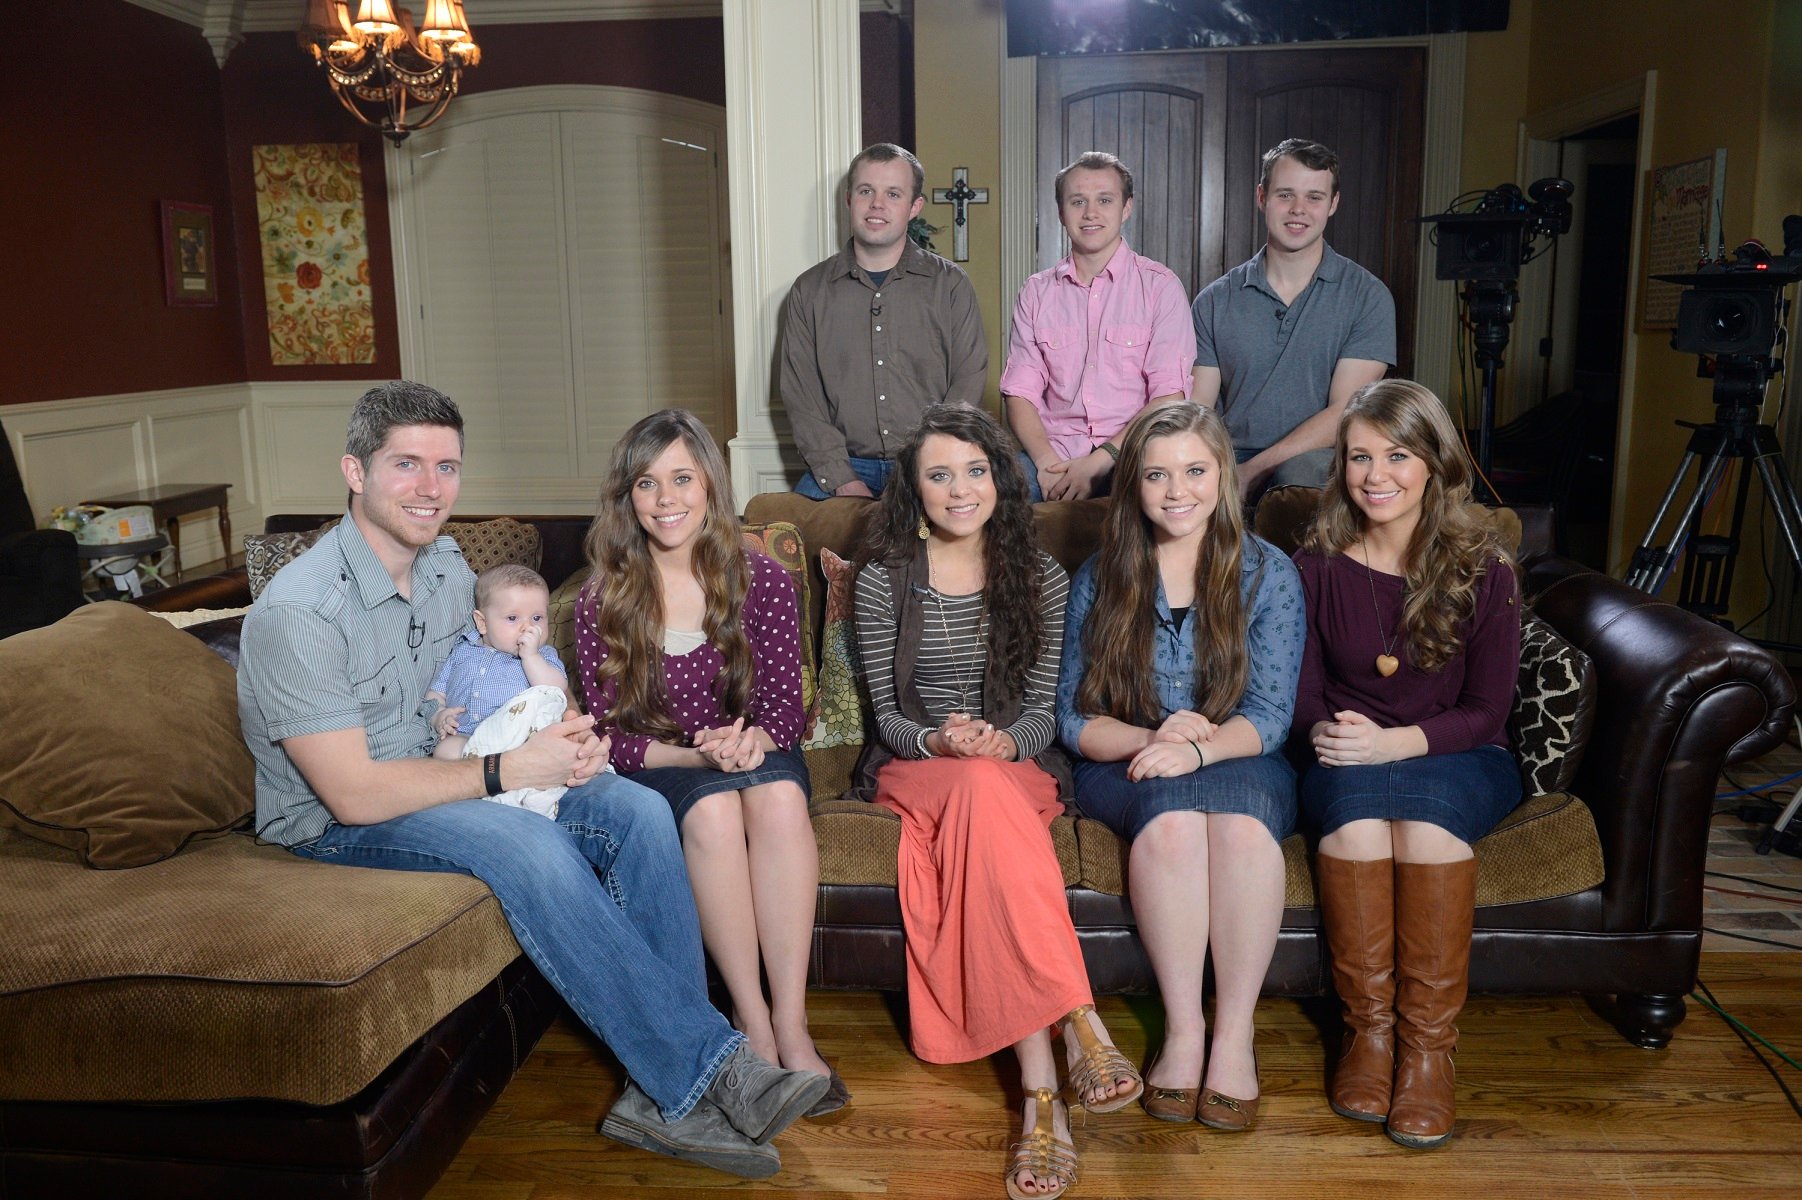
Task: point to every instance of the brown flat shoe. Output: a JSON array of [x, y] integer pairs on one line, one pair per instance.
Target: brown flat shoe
[[1169, 1104], [836, 1097], [1221, 1111]]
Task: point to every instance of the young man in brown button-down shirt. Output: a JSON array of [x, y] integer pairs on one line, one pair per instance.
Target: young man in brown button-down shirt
[[874, 334]]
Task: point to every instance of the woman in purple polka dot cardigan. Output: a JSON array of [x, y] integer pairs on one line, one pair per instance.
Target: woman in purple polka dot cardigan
[[689, 656]]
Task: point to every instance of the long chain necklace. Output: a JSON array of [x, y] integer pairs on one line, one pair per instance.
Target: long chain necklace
[[957, 660], [1386, 661]]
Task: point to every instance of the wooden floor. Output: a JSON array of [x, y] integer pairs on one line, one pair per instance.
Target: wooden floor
[[1552, 1103]]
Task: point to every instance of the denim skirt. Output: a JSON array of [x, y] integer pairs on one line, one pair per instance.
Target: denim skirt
[[682, 786], [1466, 794], [1261, 787]]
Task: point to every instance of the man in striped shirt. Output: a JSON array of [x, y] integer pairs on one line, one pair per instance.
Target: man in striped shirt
[[336, 657]]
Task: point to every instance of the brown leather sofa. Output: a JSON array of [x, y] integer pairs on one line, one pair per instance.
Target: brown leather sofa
[[1598, 892], [1678, 700]]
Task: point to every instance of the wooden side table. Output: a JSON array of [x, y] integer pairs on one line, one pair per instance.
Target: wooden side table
[[170, 501]]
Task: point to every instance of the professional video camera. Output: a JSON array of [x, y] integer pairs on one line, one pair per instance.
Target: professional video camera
[[1733, 316], [1483, 238]]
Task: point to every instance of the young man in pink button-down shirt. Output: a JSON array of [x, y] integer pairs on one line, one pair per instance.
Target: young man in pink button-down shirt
[[1095, 338]]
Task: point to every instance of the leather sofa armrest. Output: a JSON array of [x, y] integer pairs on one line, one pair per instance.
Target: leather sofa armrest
[[228, 589], [1678, 699]]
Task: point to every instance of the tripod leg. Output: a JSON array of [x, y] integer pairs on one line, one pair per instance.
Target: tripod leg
[[1779, 489], [1652, 564]]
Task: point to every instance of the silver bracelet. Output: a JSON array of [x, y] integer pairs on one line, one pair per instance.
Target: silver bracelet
[[920, 747]]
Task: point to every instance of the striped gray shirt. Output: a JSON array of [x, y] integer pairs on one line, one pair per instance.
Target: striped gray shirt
[[331, 644], [948, 672]]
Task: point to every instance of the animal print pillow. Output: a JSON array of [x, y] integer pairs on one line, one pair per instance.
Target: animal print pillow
[[1554, 708]]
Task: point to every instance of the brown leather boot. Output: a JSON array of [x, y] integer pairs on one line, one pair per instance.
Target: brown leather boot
[[1357, 907], [1434, 907]]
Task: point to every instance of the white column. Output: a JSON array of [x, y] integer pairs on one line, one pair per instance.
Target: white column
[[1436, 330], [794, 121]]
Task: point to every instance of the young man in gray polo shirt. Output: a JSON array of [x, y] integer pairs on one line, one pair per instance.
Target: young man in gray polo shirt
[[1283, 340], [335, 660], [874, 334]]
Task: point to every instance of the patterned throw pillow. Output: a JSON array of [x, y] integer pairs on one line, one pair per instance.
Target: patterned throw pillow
[[844, 700], [782, 542], [562, 617], [503, 540], [267, 553], [1554, 708]]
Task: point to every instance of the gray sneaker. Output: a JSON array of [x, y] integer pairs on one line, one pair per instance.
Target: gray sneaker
[[761, 1100], [704, 1136]]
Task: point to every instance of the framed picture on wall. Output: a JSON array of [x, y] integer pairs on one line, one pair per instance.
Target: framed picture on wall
[[190, 256]]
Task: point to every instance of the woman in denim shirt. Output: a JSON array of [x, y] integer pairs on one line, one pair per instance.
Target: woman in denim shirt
[[1181, 651]]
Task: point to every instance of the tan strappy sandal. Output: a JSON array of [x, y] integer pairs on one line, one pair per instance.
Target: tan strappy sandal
[[1043, 1154], [1099, 1065]]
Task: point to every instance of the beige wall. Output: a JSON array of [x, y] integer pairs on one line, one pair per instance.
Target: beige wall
[[1729, 74], [1721, 83], [957, 116]]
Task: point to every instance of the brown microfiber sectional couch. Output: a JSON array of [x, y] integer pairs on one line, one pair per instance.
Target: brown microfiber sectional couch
[[148, 1015]]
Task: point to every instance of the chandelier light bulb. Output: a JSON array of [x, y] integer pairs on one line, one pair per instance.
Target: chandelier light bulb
[[376, 17]]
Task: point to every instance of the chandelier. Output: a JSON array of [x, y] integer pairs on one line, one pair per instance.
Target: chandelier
[[388, 74]]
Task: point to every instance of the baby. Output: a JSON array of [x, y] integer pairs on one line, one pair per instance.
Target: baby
[[502, 683]]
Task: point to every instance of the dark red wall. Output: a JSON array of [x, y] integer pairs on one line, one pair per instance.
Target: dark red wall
[[94, 131], [275, 95], [92, 139]]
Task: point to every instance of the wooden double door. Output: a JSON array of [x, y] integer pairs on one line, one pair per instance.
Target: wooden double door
[[1193, 126]]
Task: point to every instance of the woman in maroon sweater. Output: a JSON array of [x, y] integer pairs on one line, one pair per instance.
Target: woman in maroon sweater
[[1406, 683], [688, 651]]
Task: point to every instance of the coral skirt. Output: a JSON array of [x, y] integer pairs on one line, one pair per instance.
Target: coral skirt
[[991, 953]]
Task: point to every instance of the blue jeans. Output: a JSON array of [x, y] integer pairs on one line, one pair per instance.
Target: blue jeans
[[874, 473], [599, 901]]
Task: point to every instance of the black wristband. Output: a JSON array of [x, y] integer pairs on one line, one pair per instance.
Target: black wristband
[[491, 774]]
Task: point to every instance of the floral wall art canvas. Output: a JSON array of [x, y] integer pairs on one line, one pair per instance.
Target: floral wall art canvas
[[315, 254]]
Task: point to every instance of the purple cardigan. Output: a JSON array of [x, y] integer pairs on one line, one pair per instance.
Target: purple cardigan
[[1462, 705], [772, 623]]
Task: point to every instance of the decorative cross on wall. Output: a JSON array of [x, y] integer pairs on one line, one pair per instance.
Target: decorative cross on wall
[[960, 195]]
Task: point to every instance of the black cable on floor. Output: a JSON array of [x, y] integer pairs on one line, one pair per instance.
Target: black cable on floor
[[1746, 937], [1740, 1032], [1760, 882]]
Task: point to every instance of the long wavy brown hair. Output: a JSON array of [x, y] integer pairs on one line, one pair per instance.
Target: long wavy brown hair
[[1010, 545], [1451, 546], [624, 587], [1118, 635]]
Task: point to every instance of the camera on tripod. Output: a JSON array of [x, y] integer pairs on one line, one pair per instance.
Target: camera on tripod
[[1732, 315], [1483, 239], [1489, 242]]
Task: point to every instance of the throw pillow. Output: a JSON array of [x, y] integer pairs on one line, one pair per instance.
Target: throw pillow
[[844, 698], [267, 553], [122, 740], [782, 542], [502, 540], [1554, 708], [562, 617]]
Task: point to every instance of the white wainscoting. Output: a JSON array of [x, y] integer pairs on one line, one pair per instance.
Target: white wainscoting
[[74, 450], [300, 438]]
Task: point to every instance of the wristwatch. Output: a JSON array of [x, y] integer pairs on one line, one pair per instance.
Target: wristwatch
[[1113, 451]]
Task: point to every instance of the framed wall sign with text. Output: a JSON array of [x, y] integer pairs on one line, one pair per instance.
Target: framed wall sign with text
[[190, 256]]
